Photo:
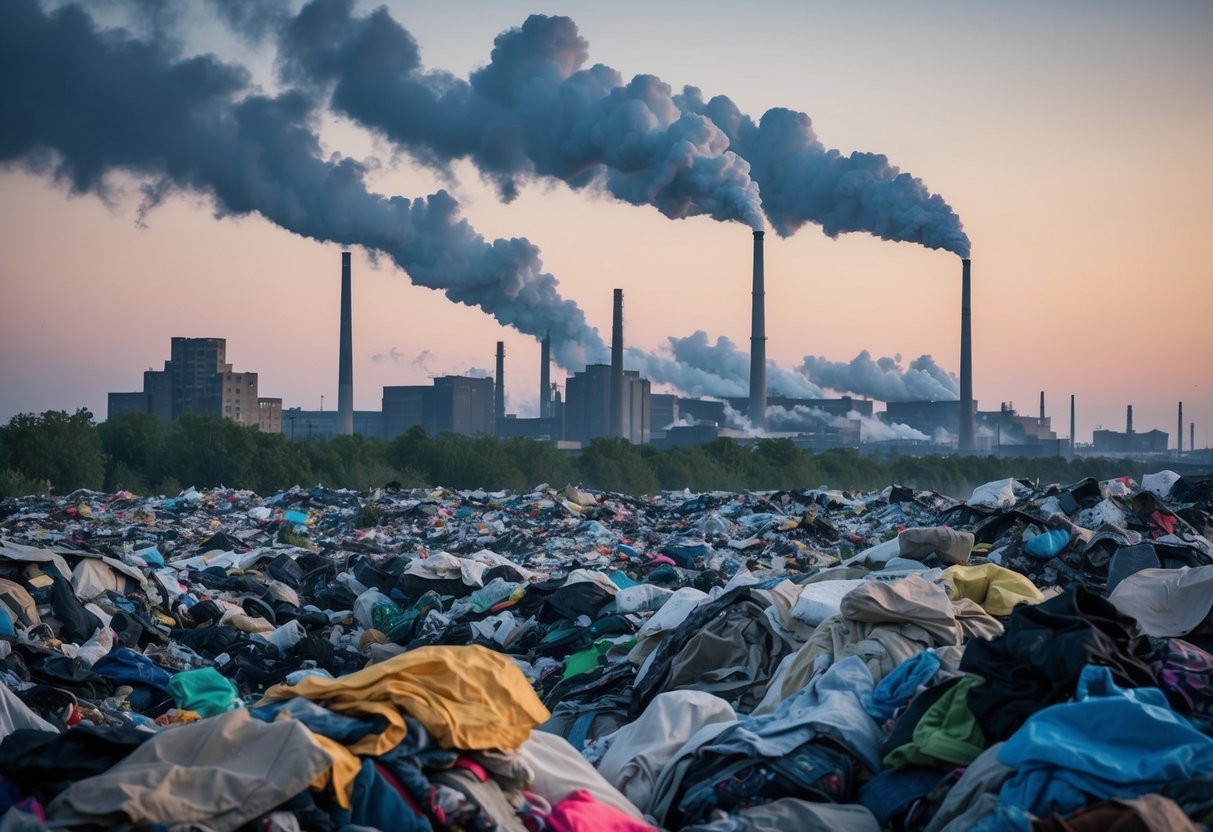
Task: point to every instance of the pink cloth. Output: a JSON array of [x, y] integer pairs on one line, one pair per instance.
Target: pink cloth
[[579, 812]]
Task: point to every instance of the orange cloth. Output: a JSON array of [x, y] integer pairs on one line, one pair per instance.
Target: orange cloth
[[469, 698]]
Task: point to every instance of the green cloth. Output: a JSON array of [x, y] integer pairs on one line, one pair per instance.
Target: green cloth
[[587, 659], [204, 691], [947, 732]]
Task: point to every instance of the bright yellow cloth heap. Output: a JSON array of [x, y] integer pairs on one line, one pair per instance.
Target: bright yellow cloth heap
[[996, 589], [469, 698]]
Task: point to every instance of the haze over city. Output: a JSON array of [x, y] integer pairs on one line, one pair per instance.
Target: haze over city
[[1071, 143]]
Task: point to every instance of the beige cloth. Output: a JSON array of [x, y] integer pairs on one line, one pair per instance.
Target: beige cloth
[[642, 748], [1167, 603], [559, 770], [219, 774], [949, 545], [19, 602], [887, 622]]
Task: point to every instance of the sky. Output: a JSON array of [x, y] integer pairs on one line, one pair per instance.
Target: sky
[[1072, 140]]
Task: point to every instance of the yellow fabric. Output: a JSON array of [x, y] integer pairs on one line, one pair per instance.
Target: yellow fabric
[[469, 698], [995, 588], [345, 768]]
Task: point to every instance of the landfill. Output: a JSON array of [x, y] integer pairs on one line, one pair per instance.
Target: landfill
[[1034, 657]]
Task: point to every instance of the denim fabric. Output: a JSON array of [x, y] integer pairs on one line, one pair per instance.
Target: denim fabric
[[337, 727]]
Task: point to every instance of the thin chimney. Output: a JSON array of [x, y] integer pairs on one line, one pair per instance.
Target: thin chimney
[[1129, 421], [545, 376], [1179, 441], [966, 357], [1191, 436], [1073, 440], [616, 420], [345, 356], [1042, 406], [499, 388], [758, 341]]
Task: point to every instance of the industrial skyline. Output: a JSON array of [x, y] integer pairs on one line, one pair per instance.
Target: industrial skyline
[[1060, 284]]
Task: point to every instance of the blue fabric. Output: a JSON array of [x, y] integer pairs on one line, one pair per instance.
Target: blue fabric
[[320, 720], [892, 791], [1112, 743], [620, 578], [126, 667], [6, 625], [1047, 545], [899, 686], [377, 804], [1005, 819], [580, 732], [829, 705]]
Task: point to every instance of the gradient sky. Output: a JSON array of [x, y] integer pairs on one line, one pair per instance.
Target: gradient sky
[[1074, 141]]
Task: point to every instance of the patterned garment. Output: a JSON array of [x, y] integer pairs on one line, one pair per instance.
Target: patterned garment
[[1186, 678]]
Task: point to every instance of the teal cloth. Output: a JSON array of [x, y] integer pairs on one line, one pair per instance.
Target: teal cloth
[[205, 691]]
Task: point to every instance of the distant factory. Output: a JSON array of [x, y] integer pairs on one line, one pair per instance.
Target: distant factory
[[609, 400]]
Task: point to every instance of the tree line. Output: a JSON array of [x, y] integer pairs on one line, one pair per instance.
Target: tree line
[[57, 452]]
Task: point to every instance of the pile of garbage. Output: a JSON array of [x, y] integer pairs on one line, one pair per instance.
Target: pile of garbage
[[1033, 657]]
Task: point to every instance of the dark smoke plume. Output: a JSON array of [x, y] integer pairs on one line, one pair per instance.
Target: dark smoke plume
[[535, 110], [82, 105]]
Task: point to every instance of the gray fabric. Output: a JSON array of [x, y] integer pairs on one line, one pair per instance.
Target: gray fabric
[[15, 715], [975, 794], [219, 773], [487, 795], [947, 544], [830, 705], [559, 770], [1167, 603], [641, 749], [792, 814]]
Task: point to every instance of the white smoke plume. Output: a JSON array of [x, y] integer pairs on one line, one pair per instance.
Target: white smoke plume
[[884, 379]]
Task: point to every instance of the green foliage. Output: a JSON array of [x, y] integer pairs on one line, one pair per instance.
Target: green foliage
[[367, 517], [56, 447], [290, 538], [137, 452]]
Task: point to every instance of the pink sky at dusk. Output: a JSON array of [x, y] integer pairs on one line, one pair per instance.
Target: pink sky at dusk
[[1072, 140]]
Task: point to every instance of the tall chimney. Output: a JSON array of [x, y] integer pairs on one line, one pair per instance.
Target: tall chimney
[[545, 376], [616, 420], [345, 356], [1179, 435], [499, 389], [1129, 421], [966, 358], [1042, 406], [1191, 436], [1073, 440], [758, 342]]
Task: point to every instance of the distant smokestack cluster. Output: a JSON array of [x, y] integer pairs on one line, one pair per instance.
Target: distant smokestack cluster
[[966, 357], [758, 342], [616, 423], [345, 356]]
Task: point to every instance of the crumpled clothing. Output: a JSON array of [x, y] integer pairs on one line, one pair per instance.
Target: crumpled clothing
[[466, 697], [996, 589]]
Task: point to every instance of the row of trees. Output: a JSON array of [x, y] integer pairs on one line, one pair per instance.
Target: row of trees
[[59, 452]]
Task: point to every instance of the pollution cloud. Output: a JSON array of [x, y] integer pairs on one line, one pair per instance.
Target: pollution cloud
[[537, 110], [883, 378], [698, 367], [82, 105]]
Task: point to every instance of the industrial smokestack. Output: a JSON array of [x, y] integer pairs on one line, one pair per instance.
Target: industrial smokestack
[[345, 356], [1179, 433], [758, 342], [1072, 439], [1191, 436], [499, 388], [545, 376], [616, 421], [1129, 420], [966, 358], [1042, 405]]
